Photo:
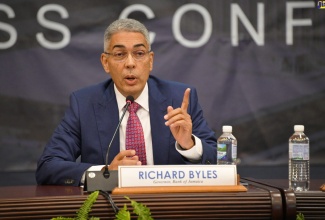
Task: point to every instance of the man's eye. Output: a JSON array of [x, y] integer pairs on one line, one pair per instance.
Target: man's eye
[[119, 54], [139, 53]]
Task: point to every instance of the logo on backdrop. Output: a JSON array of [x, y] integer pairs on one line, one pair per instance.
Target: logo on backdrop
[[321, 4]]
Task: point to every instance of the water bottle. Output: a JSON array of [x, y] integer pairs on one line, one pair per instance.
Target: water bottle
[[299, 160], [227, 147]]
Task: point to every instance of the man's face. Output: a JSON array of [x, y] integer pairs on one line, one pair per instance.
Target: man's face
[[129, 62]]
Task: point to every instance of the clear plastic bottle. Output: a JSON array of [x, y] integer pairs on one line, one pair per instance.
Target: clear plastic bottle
[[227, 147], [299, 160]]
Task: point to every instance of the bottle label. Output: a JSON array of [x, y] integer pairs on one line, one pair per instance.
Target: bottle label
[[299, 151], [234, 152], [222, 152], [227, 152]]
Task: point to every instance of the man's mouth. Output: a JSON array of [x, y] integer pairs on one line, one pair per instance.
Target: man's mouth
[[131, 80]]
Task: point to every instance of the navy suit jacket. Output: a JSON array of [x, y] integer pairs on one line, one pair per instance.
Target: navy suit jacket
[[91, 119]]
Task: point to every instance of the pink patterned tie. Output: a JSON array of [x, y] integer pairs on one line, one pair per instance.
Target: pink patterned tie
[[134, 134]]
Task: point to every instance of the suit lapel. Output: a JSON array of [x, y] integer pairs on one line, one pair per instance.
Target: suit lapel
[[107, 117], [159, 131]]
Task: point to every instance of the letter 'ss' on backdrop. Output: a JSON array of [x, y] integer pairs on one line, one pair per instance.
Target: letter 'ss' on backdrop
[[258, 65]]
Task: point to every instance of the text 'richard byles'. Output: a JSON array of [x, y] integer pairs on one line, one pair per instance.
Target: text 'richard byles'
[[197, 174]]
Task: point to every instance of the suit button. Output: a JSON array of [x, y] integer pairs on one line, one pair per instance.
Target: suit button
[[69, 181]]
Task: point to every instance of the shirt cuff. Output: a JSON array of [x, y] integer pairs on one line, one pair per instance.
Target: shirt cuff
[[195, 153]]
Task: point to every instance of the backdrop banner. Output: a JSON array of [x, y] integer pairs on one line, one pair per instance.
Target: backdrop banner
[[257, 65]]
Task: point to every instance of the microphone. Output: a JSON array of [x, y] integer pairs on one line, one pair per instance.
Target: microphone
[[129, 101], [104, 179]]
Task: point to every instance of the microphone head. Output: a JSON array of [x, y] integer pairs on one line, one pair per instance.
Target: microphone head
[[130, 99]]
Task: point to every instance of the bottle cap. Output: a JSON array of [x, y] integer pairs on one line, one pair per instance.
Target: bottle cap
[[226, 128], [299, 128]]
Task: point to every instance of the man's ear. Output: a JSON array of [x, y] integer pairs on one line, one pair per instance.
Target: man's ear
[[151, 56], [104, 61]]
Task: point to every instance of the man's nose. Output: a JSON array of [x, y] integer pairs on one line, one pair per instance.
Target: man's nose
[[130, 62]]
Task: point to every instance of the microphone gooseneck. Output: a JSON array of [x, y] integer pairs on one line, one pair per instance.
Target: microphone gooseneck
[[129, 101]]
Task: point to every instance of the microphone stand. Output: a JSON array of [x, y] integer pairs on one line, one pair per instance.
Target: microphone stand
[[106, 180], [106, 172]]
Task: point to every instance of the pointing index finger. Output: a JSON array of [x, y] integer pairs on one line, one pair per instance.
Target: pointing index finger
[[186, 99]]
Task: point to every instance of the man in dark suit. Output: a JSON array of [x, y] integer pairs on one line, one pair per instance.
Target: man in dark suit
[[174, 128]]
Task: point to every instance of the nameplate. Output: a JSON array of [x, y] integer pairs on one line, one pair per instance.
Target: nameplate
[[177, 175]]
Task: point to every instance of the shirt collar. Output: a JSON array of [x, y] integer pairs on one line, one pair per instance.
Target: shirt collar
[[141, 100]]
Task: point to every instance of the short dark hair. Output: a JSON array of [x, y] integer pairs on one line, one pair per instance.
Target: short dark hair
[[129, 25]]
